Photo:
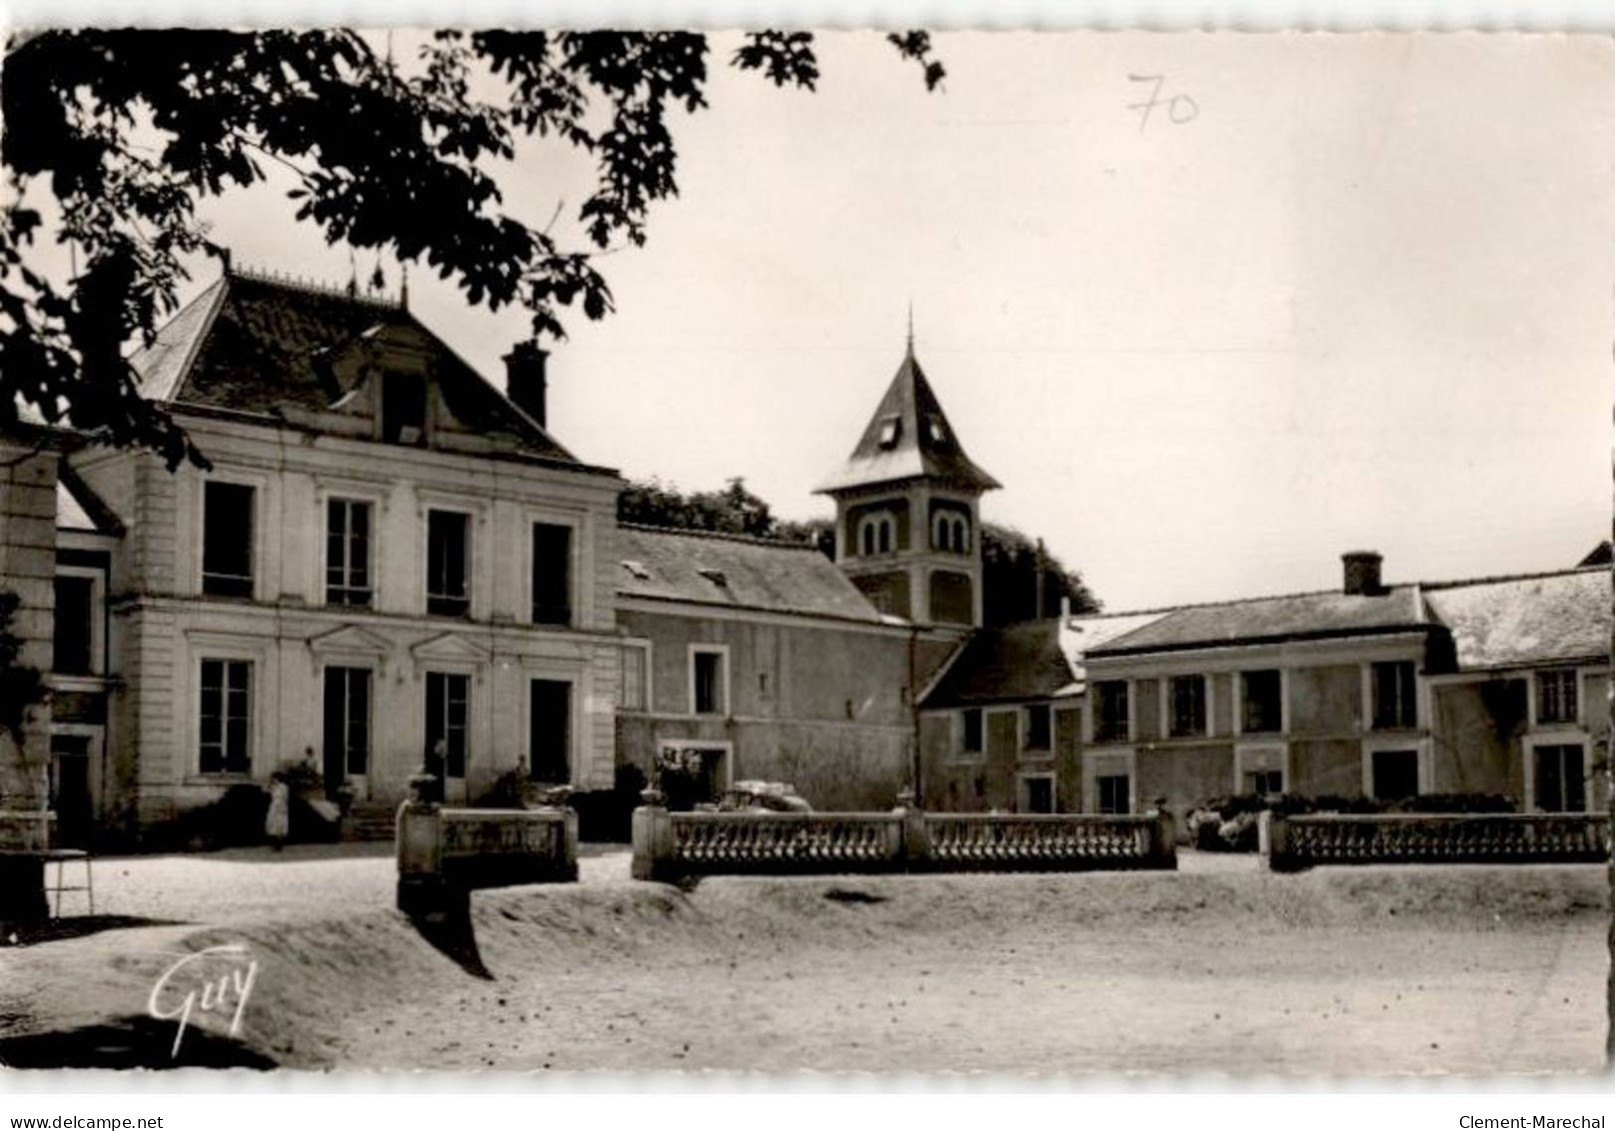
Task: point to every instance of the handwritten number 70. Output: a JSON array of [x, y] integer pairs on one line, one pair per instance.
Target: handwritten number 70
[[1180, 108]]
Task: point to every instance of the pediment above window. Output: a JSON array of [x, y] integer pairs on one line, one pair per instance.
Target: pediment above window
[[450, 647], [351, 638]]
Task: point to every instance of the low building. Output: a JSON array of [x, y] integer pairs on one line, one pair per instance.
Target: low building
[[1385, 691], [748, 659]]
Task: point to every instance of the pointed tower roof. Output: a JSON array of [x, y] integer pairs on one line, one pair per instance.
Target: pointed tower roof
[[909, 437]]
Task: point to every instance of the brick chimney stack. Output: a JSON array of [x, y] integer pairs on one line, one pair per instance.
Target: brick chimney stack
[[1362, 573], [526, 380]]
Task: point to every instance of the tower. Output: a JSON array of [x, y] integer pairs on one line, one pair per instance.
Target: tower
[[908, 508]]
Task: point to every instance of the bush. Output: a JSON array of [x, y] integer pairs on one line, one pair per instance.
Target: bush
[[302, 778], [1228, 824], [1456, 803], [235, 820], [508, 791]]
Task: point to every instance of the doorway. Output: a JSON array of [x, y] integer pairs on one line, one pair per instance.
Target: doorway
[[70, 796]]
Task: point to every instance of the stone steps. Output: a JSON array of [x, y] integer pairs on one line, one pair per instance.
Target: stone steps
[[369, 823]]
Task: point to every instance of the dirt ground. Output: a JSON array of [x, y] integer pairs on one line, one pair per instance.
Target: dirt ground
[[1219, 968]]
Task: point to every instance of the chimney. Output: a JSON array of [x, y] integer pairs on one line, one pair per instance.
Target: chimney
[[1362, 573], [525, 380]]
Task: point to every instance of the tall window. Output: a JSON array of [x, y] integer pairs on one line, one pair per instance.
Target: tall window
[[1556, 697], [73, 651], [550, 731], [1039, 734], [950, 531], [448, 589], [347, 721], [1188, 705], [448, 699], [347, 552], [971, 731], [1263, 710], [403, 408], [1561, 783], [227, 539], [224, 733], [552, 573], [1110, 722], [1114, 793], [1395, 705], [876, 534], [632, 691], [708, 679]]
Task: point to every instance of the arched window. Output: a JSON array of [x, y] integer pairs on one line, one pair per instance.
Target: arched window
[[876, 534], [950, 532]]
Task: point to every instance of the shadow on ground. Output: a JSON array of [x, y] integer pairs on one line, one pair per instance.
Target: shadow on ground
[[133, 1041], [449, 930], [74, 927]]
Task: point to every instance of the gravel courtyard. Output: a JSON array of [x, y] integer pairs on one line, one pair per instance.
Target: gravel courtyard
[[1219, 968]]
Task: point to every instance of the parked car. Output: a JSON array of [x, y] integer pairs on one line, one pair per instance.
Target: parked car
[[762, 797]]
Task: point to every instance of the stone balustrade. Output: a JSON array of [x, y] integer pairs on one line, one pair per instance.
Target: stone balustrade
[[668, 846], [443, 853], [1293, 843]]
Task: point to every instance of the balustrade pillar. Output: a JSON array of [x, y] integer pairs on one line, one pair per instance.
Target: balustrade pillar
[[1164, 840], [654, 854], [1273, 841], [914, 837]]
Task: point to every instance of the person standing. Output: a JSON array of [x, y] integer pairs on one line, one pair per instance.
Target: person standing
[[277, 822]]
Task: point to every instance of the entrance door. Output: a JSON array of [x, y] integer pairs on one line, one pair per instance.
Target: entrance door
[[549, 722], [1561, 786], [70, 789], [1396, 774], [347, 729], [448, 698], [1037, 793]]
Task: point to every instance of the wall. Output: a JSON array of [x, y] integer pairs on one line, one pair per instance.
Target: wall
[[821, 704], [1478, 727], [28, 569], [1326, 766], [1326, 700], [1185, 774], [956, 782]]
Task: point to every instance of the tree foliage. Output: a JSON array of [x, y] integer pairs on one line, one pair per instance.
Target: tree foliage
[[129, 130], [731, 510], [1014, 566], [21, 686]]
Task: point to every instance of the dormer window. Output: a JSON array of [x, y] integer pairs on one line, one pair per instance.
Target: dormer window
[[890, 428], [938, 430], [403, 408]]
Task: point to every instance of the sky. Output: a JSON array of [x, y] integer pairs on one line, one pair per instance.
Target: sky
[[1334, 293]]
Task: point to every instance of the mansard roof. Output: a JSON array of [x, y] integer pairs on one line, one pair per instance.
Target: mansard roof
[[909, 437], [736, 572], [262, 345]]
